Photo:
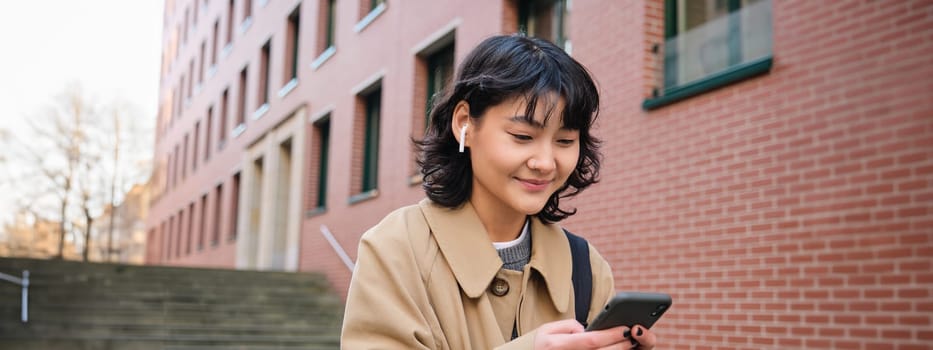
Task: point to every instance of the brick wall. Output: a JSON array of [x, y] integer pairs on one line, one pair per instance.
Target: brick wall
[[788, 211]]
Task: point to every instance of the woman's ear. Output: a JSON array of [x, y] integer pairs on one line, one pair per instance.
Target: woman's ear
[[461, 119]]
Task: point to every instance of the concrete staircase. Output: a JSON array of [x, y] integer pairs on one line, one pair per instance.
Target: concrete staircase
[[85, 306]]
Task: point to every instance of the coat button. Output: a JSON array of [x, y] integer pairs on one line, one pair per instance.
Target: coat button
[[499, 287]]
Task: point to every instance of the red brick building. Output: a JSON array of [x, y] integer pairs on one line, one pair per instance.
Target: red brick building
[[768, 163]]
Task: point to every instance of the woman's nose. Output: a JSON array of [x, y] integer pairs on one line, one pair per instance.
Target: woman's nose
[[543, 162]]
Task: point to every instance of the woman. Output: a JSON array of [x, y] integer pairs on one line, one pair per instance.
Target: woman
[[481, 263]]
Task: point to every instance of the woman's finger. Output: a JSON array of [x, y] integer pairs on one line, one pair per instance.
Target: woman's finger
[[645, 338]]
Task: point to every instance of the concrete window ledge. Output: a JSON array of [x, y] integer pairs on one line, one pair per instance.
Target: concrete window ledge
[[323, 57], [239, 129], [246, 24], [362, 197], [370, 17], [315, 212], [288, 87], [261, 111]]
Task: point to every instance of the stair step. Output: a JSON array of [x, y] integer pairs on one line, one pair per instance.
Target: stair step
[[78, 306]]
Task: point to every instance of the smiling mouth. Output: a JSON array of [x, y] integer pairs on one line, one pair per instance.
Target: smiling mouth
[[533, 184]]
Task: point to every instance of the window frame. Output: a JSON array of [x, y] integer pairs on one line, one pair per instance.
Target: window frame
[[732, 74], [322, 130], [235, 184], [218, 214], [525, 8], [293, 39], [434, 61], [262, 97], [370, 176]]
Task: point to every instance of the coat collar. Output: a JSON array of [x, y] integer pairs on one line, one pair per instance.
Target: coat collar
[[463, 241]]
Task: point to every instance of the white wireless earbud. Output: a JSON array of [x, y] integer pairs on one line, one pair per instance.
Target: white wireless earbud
[[463, 136]]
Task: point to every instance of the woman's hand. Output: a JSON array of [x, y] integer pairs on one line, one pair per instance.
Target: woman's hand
[[569, 334]]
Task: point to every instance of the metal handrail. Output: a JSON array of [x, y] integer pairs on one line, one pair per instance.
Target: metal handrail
[[24, 315], [337, 248]]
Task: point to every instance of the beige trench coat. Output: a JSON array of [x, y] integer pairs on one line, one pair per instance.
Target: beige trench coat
[[422, 281]]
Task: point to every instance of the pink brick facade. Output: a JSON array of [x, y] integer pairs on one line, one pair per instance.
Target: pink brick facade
[[791, 210]]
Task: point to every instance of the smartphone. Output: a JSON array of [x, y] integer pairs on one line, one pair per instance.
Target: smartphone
[[630, 309]]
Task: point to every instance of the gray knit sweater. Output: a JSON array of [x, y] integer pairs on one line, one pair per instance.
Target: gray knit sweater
[[517, 256]]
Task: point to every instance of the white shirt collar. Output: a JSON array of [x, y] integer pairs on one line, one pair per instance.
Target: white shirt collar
[[525, 231]]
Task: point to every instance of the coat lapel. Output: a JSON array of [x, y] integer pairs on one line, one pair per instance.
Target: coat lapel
[[463, 241], [550, 256]]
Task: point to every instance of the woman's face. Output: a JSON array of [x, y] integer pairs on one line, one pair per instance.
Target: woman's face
[[519, 163]]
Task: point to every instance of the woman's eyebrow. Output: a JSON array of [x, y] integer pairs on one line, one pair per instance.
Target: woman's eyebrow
[[528, 121]]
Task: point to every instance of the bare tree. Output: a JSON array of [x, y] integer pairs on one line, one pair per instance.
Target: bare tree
[[90, 195], [64, 169], [113, 181], [68, 137], [131, 152], [54, 155]]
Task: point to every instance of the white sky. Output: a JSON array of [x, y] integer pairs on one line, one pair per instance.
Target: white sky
[[111, 48]]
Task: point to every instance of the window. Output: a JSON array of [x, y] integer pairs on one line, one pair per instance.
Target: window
[[229, 40], [208, 132], [218, 196], [214, 43], [203, 60], [325, 26], [241, 106], [324, 47], [331, 18], [263, 90], [544, 19], [234, 205], [163, 241], [371, 5], [291, 42], [179, 235], [194, 147], [201, 220], [711, 43], [169, 241], [175, 171], [184, 28], [181, 95], [369, 10], [184, 159], [440, 71], [321, 143], [176, 43], [364, 161], [370, 175], [150, 237], [189, 235], [247, 12], [190, 78], [222, 117]]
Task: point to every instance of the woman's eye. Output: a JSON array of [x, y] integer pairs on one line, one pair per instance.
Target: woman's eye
[[566, 142], [521, 137]]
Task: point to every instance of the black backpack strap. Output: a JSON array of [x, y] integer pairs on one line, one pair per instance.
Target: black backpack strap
[[582, 276]]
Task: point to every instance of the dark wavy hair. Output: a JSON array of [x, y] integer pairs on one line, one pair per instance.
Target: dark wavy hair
[[499, 69]]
